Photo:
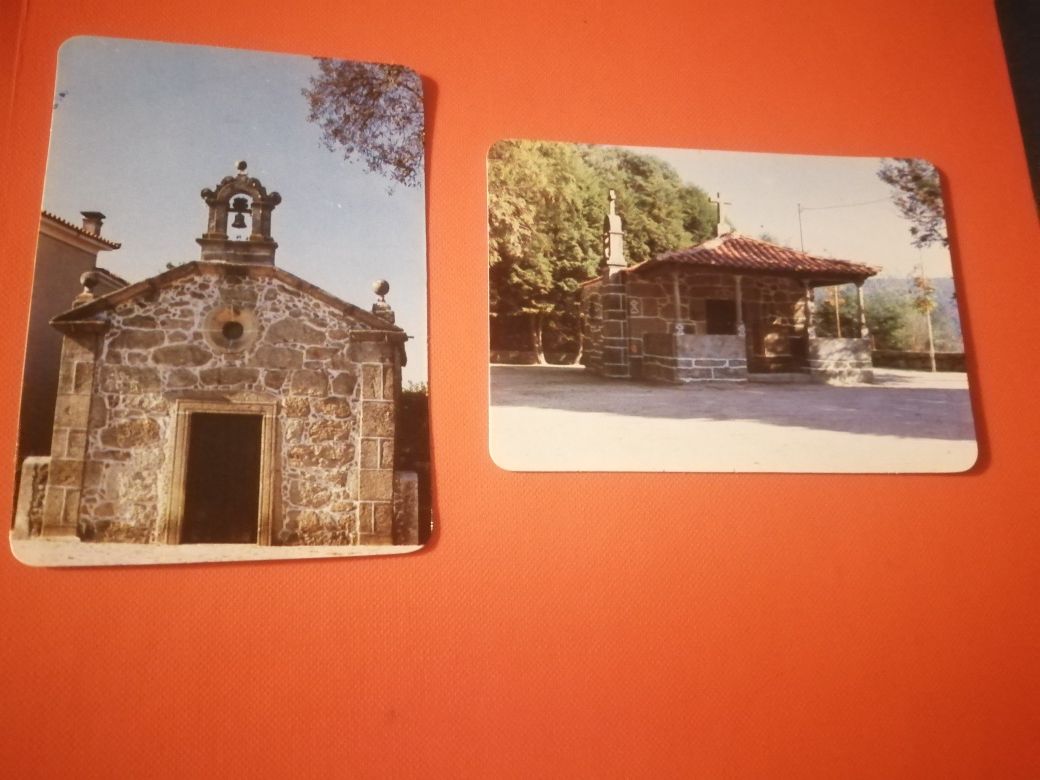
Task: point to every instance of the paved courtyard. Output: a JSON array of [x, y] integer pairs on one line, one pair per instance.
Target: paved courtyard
[[559, 418]]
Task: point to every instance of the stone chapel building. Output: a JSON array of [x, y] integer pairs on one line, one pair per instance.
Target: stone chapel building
[[226, 401], [719, 311]]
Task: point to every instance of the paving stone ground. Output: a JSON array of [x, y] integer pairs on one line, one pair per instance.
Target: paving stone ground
[[560, 418]]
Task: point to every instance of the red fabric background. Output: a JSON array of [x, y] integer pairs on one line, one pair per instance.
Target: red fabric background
[[582, 625]]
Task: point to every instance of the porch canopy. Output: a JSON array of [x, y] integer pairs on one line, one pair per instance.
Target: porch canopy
[[686, 310]]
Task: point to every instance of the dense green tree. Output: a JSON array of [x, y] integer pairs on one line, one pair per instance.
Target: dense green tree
[[658, 210], [540, 199], [546, 203], [372, 113], [917, 193]]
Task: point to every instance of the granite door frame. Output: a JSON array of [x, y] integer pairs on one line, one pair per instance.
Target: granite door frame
[[183, 409]]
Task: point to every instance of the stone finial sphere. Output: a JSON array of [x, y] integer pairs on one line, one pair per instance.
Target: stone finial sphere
[[89, 279], [241, 165], [380, 286]]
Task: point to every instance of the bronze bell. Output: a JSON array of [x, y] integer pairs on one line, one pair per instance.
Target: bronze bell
[[239, 206]]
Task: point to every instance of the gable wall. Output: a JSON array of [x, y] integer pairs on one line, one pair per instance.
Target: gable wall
[[773, 306]]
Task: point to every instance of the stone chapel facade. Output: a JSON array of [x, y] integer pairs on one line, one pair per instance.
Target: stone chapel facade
[[227, 401]]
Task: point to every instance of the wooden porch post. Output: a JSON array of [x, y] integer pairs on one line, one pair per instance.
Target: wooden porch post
[[810, 324], [837, 311], [741, 329], [678, 328]]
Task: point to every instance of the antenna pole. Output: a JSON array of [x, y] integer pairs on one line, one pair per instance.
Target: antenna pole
[[801, 241]]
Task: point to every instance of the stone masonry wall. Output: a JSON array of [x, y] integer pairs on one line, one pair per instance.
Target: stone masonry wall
[[773, 307], [72, 413], [604, 328], [841, 361], [684, 359], [32, 488], [592, 328], [294, 348]]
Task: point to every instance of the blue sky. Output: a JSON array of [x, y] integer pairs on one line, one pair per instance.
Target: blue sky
[[143, 127], [848, 213]]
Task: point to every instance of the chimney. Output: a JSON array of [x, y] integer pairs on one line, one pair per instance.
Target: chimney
[[92, 222]]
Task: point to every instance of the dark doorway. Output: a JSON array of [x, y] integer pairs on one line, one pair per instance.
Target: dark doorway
[[721, 317], [222, 487]]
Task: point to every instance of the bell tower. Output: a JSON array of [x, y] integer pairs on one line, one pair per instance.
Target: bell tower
[[246, 198]]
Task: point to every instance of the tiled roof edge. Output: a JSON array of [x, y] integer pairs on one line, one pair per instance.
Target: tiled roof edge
[[80, 231]]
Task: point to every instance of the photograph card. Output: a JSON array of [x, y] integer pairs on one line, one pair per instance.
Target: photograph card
[[226, 350], [682, 310]]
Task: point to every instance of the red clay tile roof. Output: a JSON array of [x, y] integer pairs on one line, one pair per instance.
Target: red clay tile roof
[[81, 231], [736, 252]]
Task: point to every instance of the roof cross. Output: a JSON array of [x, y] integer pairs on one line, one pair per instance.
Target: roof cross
[[719, 211]]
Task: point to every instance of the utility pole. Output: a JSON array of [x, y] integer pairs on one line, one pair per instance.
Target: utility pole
[[801, 240], [837, 311], [931, 341], [924, 302]]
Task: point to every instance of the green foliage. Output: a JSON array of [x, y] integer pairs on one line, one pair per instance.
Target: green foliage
[[540, 196], [826, 325], [894, 318], [918, 196], [659, 213], [546, 204], [370, 112], [890, 318], [923, 293]]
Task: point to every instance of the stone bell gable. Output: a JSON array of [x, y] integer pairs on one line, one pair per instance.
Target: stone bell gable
[[227, 401], [240, 195]]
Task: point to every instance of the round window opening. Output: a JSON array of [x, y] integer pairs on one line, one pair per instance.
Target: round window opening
[[232, 331]]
